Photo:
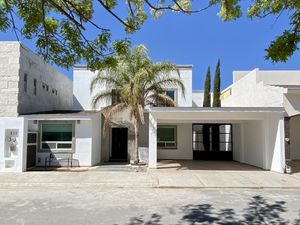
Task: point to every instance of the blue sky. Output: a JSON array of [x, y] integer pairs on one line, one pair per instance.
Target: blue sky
[[200, 39]]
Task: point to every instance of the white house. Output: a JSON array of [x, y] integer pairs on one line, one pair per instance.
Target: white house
[[270, 89], [49, 124]]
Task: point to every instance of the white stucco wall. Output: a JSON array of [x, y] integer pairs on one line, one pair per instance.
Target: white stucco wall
[[16, 162], [197, 98], [250, 91], [83, 98], [291, 103], [253, 143], [184, 144], [237, 141], [81, 89]]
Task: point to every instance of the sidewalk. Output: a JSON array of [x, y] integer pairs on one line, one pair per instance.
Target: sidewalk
[[151, 179]]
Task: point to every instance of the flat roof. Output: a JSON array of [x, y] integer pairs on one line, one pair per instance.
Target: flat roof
[[60, 115], [183, 66], [216, 109]]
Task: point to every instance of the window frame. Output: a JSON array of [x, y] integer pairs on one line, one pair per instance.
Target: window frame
[[165, 142], [72, 142]]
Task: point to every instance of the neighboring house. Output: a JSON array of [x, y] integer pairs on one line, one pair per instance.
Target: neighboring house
[[270, 89], [36, 113], [43, 126]]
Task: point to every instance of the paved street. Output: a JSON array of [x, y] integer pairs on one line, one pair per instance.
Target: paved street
[[98, 205], [155, 197]]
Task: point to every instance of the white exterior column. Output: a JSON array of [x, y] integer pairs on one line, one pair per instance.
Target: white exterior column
[[276, 159], [152, 163]]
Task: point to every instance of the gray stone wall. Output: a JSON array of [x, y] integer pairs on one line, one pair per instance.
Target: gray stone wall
[[54, 91]]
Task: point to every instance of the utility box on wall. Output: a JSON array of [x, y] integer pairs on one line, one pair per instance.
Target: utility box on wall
[[11, 148]]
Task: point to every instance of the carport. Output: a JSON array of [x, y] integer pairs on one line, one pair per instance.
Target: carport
[[255, 136]]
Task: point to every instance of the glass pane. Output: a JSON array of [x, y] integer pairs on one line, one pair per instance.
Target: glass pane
[[48, 145], [225, 147], [64, 145], [171, 94], [198, 146], [166, 134], [57, 132], [225, 128], [161, 144], [225, 137], [170, 144]]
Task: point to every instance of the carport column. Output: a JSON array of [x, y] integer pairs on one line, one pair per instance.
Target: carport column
[[152, 142]]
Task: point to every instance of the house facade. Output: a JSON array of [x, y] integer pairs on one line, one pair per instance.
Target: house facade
[[50, 119], [270, 89]]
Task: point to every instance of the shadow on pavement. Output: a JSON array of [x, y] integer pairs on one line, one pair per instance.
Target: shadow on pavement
[[258, 212]]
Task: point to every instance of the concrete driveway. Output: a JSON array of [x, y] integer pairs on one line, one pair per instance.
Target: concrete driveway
[[219, 174]]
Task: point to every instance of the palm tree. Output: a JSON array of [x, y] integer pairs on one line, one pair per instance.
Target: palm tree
[[135, 83]]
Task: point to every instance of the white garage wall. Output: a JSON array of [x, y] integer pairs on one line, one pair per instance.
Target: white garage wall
[[184, 144], [237, 142], [253, 143], [96, 137], [83, 143]]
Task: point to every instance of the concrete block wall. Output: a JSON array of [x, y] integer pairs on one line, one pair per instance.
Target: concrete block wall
[[16, 61], [9, 78], [54, 90]]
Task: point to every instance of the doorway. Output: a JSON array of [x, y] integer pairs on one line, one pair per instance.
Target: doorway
[[119, 145]]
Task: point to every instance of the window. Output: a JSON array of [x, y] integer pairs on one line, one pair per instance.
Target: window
[[169, 92], [56, 137], [54, 91], [167, 137], [34, 86], [45, 87], [25, 82], [116, 97]]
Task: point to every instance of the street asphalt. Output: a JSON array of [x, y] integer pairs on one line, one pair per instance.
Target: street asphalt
[[154, 197], [135, 206]]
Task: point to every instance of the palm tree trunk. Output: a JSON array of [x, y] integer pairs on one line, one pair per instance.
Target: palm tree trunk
[[136, 137]]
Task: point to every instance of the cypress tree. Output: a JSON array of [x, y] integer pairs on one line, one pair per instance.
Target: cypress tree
[[217, 83], [206, 99], [216, 103], [206, 103]]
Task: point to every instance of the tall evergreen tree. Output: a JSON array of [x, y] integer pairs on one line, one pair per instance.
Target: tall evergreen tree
[[206, 99], [217, 83]]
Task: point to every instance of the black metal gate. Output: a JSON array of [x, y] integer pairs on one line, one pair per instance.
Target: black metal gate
[[212, 142]]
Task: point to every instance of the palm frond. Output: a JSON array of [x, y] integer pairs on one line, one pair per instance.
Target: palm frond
[[101, 96], [111, 110]]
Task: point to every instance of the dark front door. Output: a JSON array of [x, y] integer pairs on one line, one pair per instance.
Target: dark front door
[[119, 142], [31, 149]]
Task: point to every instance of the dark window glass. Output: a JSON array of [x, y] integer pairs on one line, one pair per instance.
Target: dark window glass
[[34, 86], [57, 132], [25, 83]]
